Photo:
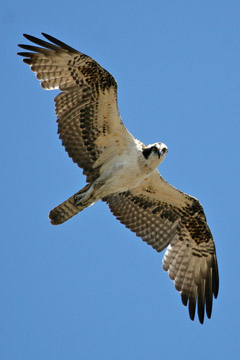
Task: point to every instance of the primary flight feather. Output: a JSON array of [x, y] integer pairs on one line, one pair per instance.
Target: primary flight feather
[[122, 171]]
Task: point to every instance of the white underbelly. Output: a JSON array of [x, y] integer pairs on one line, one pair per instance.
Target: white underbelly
[[120, 178]]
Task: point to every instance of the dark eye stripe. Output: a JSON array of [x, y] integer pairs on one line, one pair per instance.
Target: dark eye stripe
[[147, 152]]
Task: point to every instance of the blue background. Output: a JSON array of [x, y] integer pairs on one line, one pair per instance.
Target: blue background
[[90, 289]]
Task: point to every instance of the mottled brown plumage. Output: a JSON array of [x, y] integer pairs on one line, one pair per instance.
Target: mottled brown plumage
[[122, 171]]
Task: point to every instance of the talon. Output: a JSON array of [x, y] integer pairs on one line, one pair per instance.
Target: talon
[[78, 198]]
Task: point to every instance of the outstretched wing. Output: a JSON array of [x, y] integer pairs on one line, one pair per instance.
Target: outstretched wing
[[164, 216], [89, 123]]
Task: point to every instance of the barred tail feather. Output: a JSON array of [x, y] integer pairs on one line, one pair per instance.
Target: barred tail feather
[[67, 209]]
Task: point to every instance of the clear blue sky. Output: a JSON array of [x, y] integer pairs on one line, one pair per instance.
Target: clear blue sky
[[90, 289]]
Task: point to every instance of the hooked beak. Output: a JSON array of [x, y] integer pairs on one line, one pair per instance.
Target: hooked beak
[[163, 152]]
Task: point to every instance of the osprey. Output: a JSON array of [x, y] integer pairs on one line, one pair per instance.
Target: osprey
[[122, 171]]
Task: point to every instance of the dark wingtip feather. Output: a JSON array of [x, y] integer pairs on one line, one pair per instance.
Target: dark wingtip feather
[[184, 299], [27, 61], [201, 319], [29, 47], [208, 289], [201, 301], [201, 309], [215, 278], [192, 308], [40, 42], [59, 43], [209, 309], [21, 46], [30, 37], [22, 53]]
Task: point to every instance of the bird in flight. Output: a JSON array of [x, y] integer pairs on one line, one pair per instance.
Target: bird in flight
[[123, 172]]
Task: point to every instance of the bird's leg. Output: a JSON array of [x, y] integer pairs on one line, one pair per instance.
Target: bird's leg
[[83, 197], [89, 196], [78, 198]]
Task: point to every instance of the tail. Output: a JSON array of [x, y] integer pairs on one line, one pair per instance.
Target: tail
[[67, 209]]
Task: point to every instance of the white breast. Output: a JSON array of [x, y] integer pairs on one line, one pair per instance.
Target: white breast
[[124, 172]]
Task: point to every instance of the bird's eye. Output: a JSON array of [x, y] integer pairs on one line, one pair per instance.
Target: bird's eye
[[164, 150]]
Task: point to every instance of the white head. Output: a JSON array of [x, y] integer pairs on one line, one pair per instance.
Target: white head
[[155, 153]]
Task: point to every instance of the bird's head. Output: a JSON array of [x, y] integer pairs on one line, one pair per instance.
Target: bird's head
[[155, 153]]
